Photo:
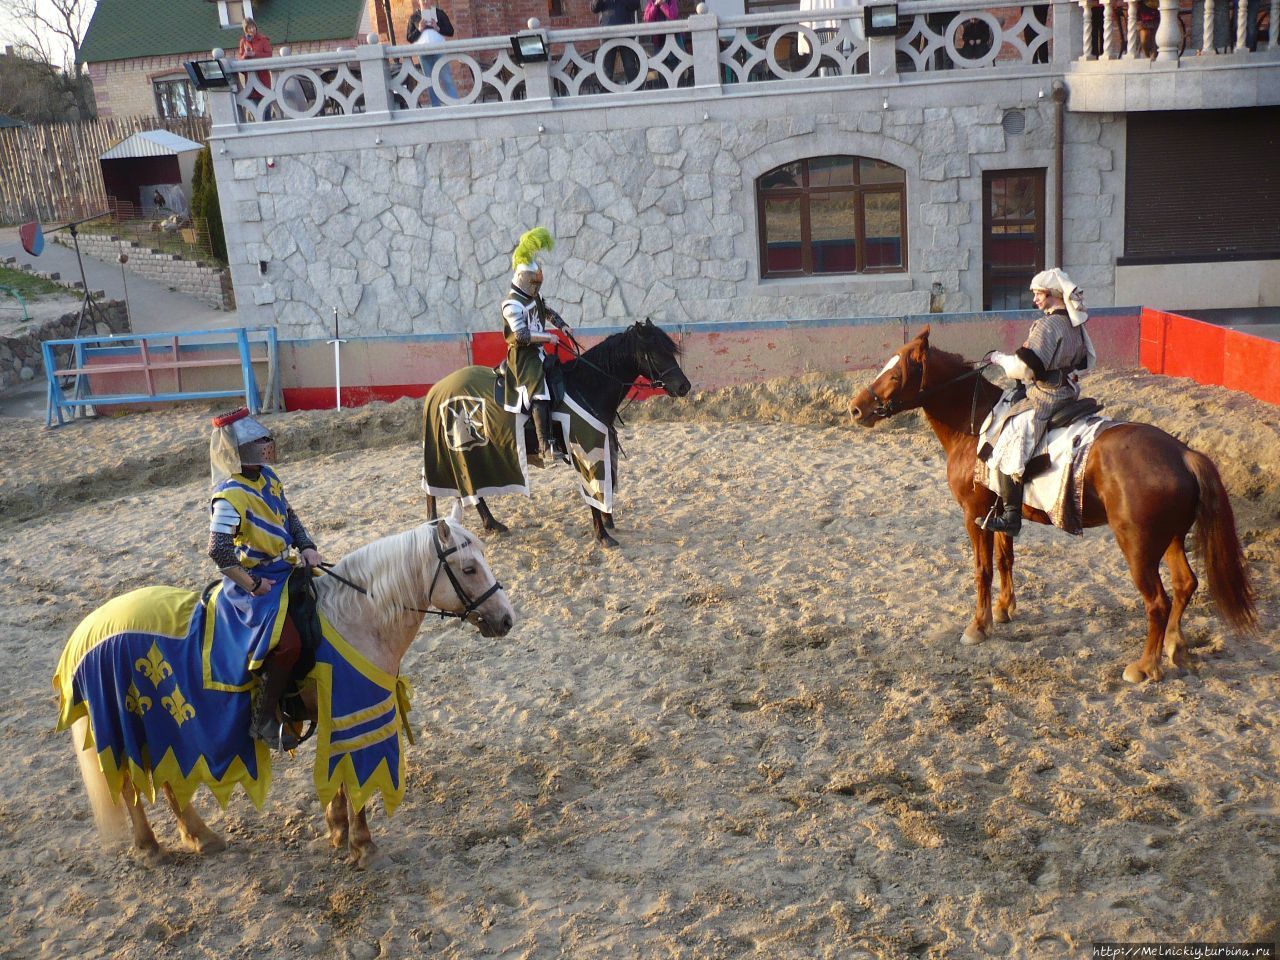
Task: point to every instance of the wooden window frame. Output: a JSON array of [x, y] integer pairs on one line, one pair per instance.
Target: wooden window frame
[[803, 193], [1040, 221], [189, 94]]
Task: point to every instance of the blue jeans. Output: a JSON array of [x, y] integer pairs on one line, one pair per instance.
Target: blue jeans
[[428, 63]]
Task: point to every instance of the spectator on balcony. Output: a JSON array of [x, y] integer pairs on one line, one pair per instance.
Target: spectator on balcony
[[615, 13], [661, 11], [1148, 24], [255, 46], [429, 24], [1257, 10]]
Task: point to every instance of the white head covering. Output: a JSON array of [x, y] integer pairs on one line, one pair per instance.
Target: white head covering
[[230, 432], [1055, 281]]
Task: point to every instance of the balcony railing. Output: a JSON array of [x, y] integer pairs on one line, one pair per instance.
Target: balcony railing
[[737, 55], [1134, 30]]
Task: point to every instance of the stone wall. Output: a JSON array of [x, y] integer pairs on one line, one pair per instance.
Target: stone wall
[[408, 227], [195, 278], [21, 358]]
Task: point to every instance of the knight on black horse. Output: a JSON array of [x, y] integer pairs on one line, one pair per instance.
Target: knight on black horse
[[474, 439]]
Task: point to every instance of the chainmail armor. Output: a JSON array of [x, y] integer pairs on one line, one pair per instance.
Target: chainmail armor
[[298, 532], [222, 549]]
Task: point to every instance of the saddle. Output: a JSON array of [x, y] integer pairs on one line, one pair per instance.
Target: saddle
[[1076, 410], [551, 370], [305, 617]]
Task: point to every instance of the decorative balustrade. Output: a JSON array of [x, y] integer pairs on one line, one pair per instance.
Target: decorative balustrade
[[974, 36], [778, 47], [1130, 30], [737, 54]]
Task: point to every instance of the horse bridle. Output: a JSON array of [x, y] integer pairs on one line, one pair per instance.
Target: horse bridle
[[887, 408], [442, 554]]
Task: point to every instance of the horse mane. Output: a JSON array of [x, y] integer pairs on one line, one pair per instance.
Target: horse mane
[[395, 570], [952, 359], [619, 347]]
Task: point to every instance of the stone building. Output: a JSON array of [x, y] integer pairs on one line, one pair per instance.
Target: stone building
[[770, 166]]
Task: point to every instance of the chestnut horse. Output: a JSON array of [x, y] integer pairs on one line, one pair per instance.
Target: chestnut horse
[[1148, 486]]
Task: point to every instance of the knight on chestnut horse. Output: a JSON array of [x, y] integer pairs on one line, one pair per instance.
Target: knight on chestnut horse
[[1148, 486]]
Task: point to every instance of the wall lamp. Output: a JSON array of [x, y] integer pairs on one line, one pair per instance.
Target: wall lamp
[[880, 20], [207, 75], [529, 48]]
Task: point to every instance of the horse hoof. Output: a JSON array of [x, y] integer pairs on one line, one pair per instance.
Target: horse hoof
[[608, 541], [207, 845], [973, 636], [1136, 673], [496, 527], [1002, 615], [368, 859], [151, 855]]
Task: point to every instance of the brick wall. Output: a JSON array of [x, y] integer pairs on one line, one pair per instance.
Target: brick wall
[[204, 282]]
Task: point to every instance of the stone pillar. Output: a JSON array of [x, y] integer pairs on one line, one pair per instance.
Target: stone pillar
[[537, 75], [1132, 30], [375, 79], [1169, 33], [222, 110], [1066, 33], [1087, 34], [882, 56], [706, 49]]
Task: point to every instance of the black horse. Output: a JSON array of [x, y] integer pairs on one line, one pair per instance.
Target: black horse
[[472, 447]]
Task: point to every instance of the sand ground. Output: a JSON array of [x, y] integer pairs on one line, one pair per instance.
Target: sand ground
[[749, 732]]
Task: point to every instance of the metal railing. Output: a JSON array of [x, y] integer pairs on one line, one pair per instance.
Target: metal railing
[[154, 359]]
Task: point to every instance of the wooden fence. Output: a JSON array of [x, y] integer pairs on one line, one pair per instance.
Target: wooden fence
[[51, 171]]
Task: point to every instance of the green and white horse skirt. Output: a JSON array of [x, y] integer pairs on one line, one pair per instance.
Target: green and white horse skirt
[[472, 447]]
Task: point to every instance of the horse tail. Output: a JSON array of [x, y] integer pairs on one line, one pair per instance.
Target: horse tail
[[108, 811], [1219, 547]]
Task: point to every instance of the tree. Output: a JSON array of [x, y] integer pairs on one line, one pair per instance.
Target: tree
[[35, 91], [204, 202], [52, 24]]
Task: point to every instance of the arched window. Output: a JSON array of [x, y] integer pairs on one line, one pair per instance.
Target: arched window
[[827, 215]]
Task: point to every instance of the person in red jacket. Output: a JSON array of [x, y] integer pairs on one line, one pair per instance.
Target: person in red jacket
[[255, 46]]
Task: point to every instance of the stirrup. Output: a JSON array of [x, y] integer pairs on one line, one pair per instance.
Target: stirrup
[[275, 736], [1001, 522]]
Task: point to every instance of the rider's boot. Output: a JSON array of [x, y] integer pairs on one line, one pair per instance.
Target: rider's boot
[[265, 724], [548, 449], [1010, 519]]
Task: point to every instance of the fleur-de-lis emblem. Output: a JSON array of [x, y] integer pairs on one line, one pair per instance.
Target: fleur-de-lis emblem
[[153, 666], [177, 705], [135, 702]]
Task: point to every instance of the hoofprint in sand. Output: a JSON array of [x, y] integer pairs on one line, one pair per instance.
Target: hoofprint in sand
[[750, 732]]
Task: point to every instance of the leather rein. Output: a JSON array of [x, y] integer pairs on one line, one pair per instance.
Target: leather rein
[[441, 554]]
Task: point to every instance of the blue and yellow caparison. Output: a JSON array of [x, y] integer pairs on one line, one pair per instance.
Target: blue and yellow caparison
[[166, 692]]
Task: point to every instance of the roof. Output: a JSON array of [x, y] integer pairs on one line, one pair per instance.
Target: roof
[[124, 29], [151, 143], [10, 121]]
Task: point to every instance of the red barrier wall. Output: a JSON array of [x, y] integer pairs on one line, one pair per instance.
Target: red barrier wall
[[1178, 346]]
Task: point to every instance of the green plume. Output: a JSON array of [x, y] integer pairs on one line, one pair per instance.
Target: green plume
[[539, 238]]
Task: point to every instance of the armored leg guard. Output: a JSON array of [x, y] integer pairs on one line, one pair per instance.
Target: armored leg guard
[[1009, 520]]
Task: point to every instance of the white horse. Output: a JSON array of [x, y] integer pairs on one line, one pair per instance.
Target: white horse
[[374, 599]]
